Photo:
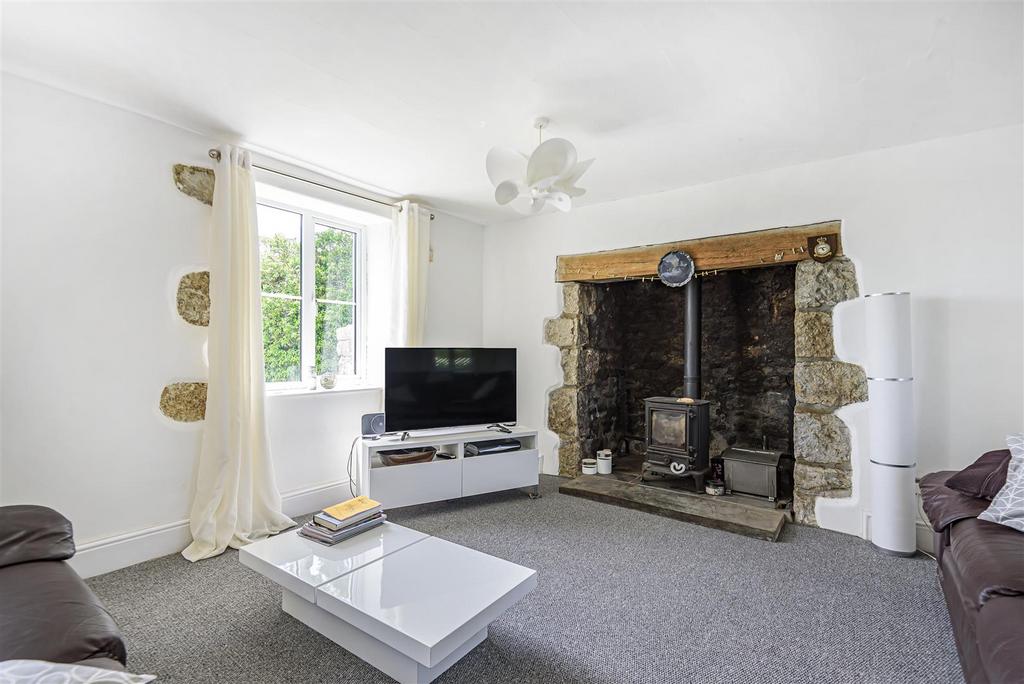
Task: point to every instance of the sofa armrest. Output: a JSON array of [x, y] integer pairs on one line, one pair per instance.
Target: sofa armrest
[[34, 533], [945, 506]]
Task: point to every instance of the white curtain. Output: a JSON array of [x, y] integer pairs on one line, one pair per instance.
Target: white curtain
[[236, 499], [410, 254]]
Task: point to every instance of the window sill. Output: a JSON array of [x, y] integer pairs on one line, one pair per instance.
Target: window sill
[[304, 391]]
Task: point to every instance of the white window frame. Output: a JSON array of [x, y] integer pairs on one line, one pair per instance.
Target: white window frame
[[310, 220]]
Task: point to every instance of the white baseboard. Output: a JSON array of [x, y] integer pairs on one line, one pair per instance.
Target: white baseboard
[[318, 497], [113, 553]]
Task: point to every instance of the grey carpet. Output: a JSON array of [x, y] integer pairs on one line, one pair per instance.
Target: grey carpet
[[623, 596]]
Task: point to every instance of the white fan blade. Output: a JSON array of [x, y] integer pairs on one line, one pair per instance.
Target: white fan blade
[[504, 164], [567, 183], [523, 204], [570, 190], [554, 157], [577, 171], [506, 192], [561, 201]]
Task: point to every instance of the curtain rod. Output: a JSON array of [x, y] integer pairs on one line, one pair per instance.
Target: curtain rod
[[215, 154]]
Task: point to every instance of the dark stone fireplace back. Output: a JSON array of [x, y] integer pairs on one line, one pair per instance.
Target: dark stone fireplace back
[[746, 365]]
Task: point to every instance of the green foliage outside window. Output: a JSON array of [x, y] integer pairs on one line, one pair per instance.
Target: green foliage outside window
[[334, 279], [281, 273]]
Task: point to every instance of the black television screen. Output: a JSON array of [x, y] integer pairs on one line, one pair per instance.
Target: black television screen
[[428, 388]]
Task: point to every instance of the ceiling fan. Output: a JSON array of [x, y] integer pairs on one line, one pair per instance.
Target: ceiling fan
[[548, 175]]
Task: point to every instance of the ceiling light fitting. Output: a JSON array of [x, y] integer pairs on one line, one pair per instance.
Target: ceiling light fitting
[[549, 175]]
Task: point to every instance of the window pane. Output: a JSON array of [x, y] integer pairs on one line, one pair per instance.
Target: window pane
[[335, 338], [280, 250], [335, 264], [282, 339]]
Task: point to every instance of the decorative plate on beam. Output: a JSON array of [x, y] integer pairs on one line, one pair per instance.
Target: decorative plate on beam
[[676, 269]]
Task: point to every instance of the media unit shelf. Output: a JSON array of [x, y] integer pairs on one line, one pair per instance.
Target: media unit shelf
[[442, 479]]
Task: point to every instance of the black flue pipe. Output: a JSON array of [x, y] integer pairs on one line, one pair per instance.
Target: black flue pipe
[[691, 340]]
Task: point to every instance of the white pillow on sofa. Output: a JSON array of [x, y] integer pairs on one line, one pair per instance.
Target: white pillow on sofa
[[1008, 506], [43, 672]]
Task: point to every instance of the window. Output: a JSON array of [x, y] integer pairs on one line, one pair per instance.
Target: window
[[312, 270]]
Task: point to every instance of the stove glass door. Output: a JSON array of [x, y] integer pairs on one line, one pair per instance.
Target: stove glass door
[[668, 428]]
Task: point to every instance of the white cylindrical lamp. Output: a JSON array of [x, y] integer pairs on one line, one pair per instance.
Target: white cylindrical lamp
[[893, 454]]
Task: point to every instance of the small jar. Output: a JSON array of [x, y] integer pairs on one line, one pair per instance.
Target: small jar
[[589, 466], [715, 487]]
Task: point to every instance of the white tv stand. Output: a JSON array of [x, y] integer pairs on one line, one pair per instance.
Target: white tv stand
[[442, 479]]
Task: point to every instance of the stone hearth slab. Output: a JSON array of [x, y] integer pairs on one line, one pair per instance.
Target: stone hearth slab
[[700, 509]]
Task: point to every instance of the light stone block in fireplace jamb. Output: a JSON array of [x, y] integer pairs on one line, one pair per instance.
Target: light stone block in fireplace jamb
[[813, 335], [578, 300], [829, 383], [563, 411], [562, 332], [570, 366], [818, 479], [571, 299], [823, 285], [803, 507], [195, 181], [821, 438], [570, 453], [194, 298]]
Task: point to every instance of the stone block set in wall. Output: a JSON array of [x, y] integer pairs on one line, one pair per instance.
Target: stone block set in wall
[[586, 409], [185, 402]]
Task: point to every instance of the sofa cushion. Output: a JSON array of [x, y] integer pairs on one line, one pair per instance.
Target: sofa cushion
[[48, 613], [34, 533], [983, 478], [987, 559], [1008, 505]]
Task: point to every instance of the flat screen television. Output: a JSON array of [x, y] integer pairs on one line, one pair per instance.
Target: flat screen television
[[427, 388]]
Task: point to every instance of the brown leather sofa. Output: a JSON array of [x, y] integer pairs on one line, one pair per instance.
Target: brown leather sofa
[[981, 570], [46, 611]]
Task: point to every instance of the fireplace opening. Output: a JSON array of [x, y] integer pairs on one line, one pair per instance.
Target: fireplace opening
[[638, 342], [768, 371]]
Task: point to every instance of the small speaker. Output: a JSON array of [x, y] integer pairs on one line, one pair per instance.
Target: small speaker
[[373, 424]]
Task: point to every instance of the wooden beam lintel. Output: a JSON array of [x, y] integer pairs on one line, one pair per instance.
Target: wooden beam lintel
[[770, 247]]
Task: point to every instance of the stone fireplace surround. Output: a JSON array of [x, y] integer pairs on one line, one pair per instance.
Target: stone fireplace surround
[[578, 409]]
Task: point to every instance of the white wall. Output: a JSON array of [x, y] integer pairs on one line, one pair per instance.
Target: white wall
[[454, 293], [942, 219], [95, 237]]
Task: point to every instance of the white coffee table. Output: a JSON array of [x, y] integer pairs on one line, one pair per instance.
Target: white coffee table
[[407, 603]]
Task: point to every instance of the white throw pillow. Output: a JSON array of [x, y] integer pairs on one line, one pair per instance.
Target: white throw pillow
[[43, 672], [1008, 506]]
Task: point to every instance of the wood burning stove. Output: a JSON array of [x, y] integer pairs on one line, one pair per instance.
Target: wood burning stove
[[678, 432], [679, 428]]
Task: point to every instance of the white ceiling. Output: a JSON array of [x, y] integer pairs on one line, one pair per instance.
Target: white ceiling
[[408, 97]]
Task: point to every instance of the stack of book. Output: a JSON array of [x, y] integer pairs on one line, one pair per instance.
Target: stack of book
[[343, 521]]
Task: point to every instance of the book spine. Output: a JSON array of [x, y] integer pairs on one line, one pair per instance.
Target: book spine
[[314, 532]]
